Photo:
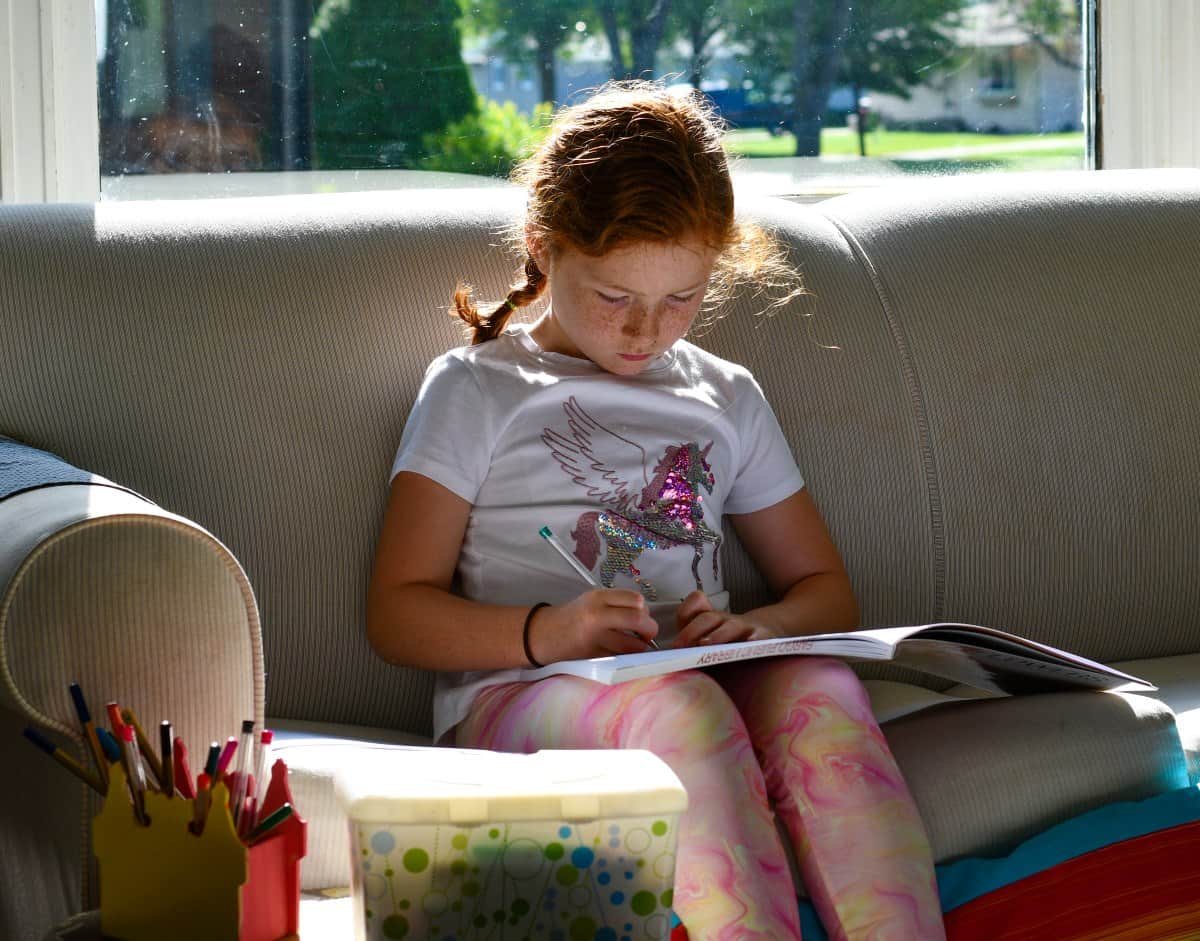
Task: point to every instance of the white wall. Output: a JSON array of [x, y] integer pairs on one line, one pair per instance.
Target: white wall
[[1149, 83]]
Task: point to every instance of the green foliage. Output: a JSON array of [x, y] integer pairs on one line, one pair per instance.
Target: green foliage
[[893, 44], [878, 45], [385, 74], [1055, 25], [1049, 17], [488, 142]]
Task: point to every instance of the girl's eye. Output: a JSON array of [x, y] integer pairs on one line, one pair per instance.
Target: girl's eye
[[681, 298], [610, 299]]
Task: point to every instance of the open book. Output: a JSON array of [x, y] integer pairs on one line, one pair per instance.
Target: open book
[[982, 657]]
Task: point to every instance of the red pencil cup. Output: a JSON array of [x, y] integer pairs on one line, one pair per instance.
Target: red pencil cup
[[163, 881]]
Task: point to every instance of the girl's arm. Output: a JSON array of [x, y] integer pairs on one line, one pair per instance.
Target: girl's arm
[[413, 619], [791, 547]]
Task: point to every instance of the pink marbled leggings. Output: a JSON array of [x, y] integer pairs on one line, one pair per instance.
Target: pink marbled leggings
[[795, 731]]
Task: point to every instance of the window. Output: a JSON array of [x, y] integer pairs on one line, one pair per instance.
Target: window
[[215, 97]]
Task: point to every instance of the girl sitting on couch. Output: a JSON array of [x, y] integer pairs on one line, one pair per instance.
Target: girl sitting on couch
[[601, 421]]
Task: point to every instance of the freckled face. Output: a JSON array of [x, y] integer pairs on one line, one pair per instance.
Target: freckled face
[[623, 309]]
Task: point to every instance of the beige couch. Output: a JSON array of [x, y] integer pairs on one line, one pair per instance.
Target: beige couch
[[991, 386]]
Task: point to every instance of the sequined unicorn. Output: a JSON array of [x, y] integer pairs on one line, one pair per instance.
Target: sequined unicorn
[[669, 511]]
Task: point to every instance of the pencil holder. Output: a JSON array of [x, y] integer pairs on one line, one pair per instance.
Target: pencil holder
[[162, 881]]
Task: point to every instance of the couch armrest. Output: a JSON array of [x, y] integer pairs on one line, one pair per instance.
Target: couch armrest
[[102, 587]]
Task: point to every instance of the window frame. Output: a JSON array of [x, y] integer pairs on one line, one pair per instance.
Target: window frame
[[49, 128]]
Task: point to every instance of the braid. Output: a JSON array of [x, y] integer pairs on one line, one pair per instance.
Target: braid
[[484, 328]]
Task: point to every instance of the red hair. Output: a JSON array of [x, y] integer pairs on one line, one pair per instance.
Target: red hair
[[633, 163]]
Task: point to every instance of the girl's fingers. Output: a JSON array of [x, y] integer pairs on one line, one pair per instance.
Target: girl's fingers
[[728, 632], [695, 603], [699, 628], [622, 598]]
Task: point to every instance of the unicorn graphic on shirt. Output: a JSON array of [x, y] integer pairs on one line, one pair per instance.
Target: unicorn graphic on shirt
[[666, 512]]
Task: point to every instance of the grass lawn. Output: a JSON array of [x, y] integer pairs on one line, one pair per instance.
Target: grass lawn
[[988, 149]]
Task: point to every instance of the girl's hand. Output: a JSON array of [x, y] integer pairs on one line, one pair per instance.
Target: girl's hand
[[701, 624], [599, 623]]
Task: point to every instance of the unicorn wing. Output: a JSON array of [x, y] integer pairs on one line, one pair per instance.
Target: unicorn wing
[[590, 454]]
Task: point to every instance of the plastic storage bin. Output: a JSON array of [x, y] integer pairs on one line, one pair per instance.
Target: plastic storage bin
[[458, 844]]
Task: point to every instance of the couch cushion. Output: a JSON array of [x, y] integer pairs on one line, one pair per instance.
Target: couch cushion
[[989, 773], [1046, 328], [1178, 682]]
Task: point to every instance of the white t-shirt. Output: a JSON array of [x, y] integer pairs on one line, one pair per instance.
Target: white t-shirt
[[631, 474]]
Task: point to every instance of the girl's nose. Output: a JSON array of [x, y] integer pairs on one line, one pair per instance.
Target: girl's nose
[[637, 321]]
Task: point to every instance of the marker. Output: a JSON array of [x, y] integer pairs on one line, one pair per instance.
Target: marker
[[166, 746], [210, 763], [183, 774], [145, 747], [64, 759], [112, 750], [245, 752], [132, 763], [89, 732], [114, 718], [587, 576], [223, 760], [271, 821], [260, 776]]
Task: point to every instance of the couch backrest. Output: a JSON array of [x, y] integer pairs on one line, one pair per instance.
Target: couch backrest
[[1006, 431]]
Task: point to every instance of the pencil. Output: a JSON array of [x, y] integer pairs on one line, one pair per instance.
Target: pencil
[[64, 759], [89, 731], [578, 566]]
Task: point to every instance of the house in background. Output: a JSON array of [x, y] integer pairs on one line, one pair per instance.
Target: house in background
[[1002, 81]]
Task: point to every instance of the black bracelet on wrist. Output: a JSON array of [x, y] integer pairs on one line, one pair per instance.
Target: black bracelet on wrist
[[525, 632]]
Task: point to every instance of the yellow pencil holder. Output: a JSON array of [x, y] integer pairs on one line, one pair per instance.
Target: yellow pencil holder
[[162, 881]]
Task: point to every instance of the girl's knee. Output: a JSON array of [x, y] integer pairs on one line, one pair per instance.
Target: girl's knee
[[829, 675], [769, 689], [685, 706]]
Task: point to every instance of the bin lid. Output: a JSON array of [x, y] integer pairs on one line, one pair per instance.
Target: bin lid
[[471, 786]]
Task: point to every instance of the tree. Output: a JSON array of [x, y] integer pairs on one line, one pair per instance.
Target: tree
[[385, 74], [644, 23], [1054, 25], [700, 22], [892, 45], [544, 25], [883, 45]]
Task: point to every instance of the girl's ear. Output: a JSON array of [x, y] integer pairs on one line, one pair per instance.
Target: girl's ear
[[537, 251]]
